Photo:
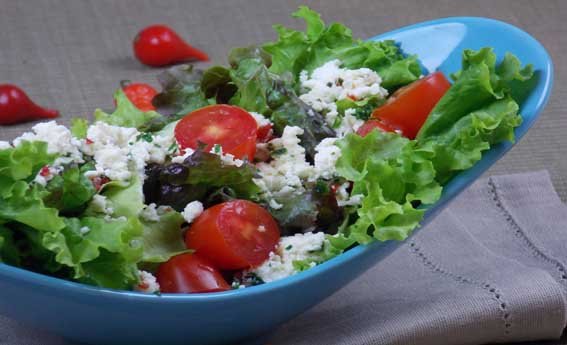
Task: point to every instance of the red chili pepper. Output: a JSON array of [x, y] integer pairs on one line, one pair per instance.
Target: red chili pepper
[[16, 107], [141, 95], [159, 45]]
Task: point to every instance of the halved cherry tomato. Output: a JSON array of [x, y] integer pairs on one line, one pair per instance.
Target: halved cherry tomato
[[231, 127], [236, 234], [141, 95], [408, 108], [369, 125], [190, 273], [265, 133]]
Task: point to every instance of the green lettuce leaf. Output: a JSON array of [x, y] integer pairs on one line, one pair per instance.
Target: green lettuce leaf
[[163, 239], [182, 92], [476, 112], [127, 199], [23, 203], [295, 51], [126, 114], [392, 174], [69, 191], [23, 162], [266, 93], [102, 252], [9, 252], [79, 127], [200, 177], [363, 108]]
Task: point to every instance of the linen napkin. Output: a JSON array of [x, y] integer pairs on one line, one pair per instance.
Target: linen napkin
[[491, 268]]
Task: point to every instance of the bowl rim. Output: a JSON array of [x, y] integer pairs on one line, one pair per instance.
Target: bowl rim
[[459, 182]]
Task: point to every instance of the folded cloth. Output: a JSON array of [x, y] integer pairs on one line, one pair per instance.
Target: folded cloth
[[491, 268]]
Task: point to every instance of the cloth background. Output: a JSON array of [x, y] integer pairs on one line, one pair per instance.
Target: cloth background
[[72, 54]]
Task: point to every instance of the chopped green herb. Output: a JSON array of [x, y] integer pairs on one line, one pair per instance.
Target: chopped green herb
[[217, 149], [321, 187], [173, 147], [279, 152], [288, 247], [146, 137]]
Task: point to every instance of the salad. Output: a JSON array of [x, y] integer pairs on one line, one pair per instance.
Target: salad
[[244, 174]]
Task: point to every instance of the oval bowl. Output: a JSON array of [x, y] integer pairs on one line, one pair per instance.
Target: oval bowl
[[101, 316]]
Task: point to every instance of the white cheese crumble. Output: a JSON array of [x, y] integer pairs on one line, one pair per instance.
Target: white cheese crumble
[[101, 204], [226, 158], [192, 211], [148, 283], [326, 156], [331, 83], [150, 213], [46, 174], [345, 199], [260, 119], [84, 230], [5, 145], [348, 124], [181, 158], [283, 176], [114, 147], [59, 141], [299, 247]]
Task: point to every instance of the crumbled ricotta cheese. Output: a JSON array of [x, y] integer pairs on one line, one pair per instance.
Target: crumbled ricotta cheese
[[4, 145], [150, 213], [331, 83], [59, 141], [344, 198], [348, 124], [326, 156], [110, 147], [148, 283], [192, 211], [299, 247], [114, 147], [260, 119], [46, 174], [101, 204], [226, 158], [283, 175], [84, 230], [181, 158]]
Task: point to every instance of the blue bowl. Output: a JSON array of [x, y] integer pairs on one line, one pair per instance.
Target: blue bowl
[[102, 316]]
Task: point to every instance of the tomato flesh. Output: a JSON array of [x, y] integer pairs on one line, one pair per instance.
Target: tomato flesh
[[408, 108], [369, 125], [190, 273], [231, 127], [236, 234], [265, 133], [141, 95]]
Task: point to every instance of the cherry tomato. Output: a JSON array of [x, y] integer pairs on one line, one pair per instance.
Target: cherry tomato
[[190, 273], [369, 125], [234, 235], [408, 108], [265, 133], [159, 45], [16, 107], [141, 95], [231, 127]]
